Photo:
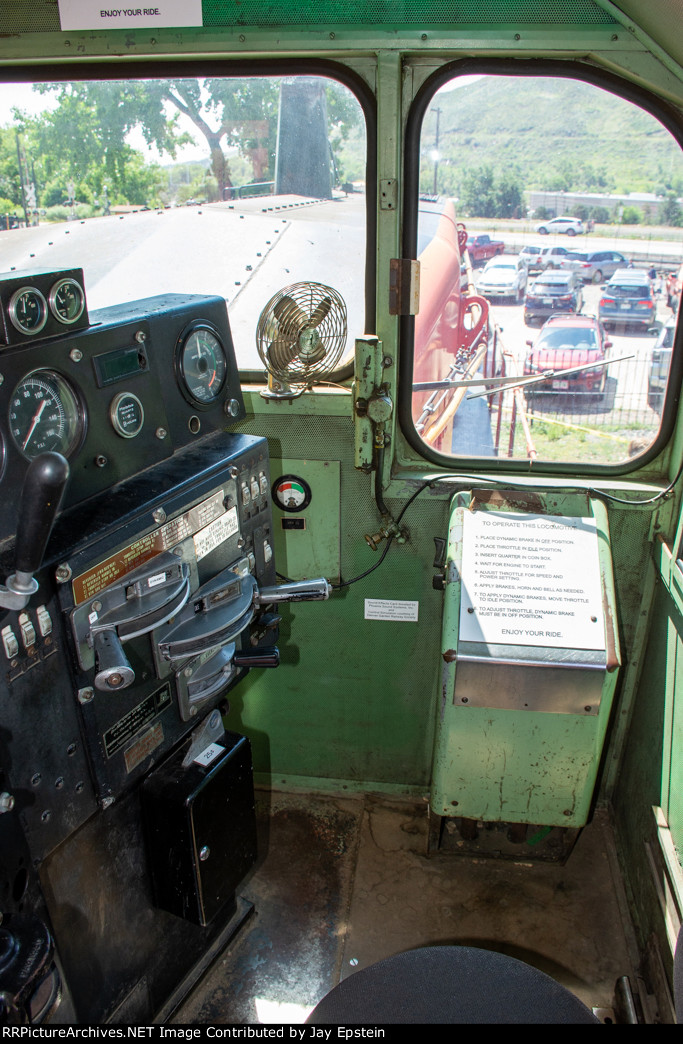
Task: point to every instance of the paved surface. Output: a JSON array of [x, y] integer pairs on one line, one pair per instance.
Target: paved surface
[[244, 252]]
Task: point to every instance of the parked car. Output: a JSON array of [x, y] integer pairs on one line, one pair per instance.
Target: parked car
[[594, 266], [504, 276], [570, 226], [551, 256], [628, 298], [659, 365], [530, 256], [483, 248], [553, 292], [565, 342], [538, 258]]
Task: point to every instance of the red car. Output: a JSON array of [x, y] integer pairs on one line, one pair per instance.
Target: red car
[[565, 343]]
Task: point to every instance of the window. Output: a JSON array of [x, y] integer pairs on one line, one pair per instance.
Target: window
[[230, 186], [547, 174]]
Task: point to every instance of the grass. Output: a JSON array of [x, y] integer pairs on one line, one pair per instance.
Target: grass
[[558, 441]]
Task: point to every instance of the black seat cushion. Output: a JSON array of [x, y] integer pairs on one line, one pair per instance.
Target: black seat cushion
[[450, 984]]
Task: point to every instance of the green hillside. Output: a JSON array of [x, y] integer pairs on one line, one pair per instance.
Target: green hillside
[[551, 134]]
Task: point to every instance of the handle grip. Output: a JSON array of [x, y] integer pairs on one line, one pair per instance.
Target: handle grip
[[41, 497]]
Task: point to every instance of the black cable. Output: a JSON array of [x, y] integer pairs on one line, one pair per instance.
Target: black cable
[[662, 495]]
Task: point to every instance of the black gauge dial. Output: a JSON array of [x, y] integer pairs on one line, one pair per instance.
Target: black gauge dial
[[67, 301], [45, 414], [28, 310], [202, 364], [127, 415]]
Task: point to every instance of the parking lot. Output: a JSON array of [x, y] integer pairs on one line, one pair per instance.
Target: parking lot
[[623, 422]]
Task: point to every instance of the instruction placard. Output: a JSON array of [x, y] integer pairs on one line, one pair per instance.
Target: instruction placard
[[103, 14], [531, 580]]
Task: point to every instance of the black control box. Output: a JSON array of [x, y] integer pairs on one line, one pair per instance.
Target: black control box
[[200, 828]]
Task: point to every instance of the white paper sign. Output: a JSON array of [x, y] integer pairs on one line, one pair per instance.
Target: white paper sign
[[531, 580], [222, 528], [105, 14], [391, 609]]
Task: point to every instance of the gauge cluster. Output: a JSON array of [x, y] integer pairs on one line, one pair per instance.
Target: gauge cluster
[[140, 382], [47, 304]]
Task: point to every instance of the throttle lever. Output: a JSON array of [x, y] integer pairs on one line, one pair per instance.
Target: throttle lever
[[296, 591], [41, 497]]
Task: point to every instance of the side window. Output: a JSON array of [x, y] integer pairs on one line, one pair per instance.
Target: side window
[[238, 187], [510, 365]]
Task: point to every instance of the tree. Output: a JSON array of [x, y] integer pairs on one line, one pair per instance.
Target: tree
[[671, 213]]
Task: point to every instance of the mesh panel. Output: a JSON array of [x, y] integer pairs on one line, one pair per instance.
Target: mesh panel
[[392, 12], [39, 16]]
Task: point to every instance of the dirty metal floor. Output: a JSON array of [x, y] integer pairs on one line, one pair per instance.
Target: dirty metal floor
[[343, 882]]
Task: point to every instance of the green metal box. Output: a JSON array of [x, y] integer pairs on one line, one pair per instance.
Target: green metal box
[[530, 659]]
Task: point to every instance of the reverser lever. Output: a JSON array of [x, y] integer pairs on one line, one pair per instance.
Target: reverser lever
[[41, 496], [295, 591]]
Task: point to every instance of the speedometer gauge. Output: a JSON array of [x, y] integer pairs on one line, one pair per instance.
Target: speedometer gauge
[[202, 364], [45, 414]]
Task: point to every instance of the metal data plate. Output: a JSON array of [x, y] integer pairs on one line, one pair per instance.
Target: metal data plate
[[504, 677]]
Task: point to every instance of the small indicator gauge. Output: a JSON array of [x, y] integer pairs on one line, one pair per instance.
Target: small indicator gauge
[[202, 364], [127, 415], [67, 301], [291, 493], [27, 310], [45, 414]]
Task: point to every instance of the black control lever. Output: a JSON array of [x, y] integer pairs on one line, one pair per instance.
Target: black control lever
[[267, 656], [41, 497]]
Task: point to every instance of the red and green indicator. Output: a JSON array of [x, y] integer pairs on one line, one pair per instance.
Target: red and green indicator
[[291, 493]]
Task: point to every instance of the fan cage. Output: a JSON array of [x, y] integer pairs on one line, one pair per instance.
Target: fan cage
[[296, 310]]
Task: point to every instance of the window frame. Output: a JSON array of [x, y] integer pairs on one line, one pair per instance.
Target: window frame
[[670, 119], [183, 68]]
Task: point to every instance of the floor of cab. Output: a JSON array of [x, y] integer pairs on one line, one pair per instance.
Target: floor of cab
[[342, 882]]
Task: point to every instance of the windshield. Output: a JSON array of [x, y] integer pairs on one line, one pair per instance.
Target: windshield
[[554, 286], [237, 187], [568, 338], [627, 290]]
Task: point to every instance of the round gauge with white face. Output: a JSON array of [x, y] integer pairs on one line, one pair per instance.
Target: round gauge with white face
[[291, 493], [67, 300], [45, 414], [202, 364], [27, 310]]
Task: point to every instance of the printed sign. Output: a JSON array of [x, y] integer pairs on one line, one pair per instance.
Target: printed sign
[[391, 609], [531, 580], [209, 754], [102, 14]]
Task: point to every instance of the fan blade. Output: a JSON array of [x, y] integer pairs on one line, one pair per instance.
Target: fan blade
[[290, 317], [281, 352], [321, 312]]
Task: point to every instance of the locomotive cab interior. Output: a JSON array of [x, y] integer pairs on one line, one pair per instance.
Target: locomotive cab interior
[[340, 512]]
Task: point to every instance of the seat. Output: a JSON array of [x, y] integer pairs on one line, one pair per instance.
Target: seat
[[450, 984]]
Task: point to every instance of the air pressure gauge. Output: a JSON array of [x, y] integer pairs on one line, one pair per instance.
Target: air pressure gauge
[[291, 493], [28, 310]]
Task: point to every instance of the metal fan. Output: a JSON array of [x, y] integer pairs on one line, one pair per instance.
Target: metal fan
[[300, 336]]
